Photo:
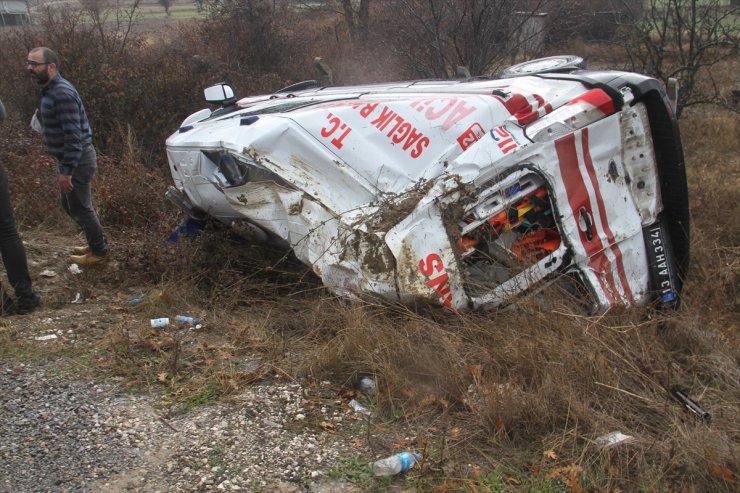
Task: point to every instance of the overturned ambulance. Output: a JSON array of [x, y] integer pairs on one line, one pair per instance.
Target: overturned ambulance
[[466, 193]]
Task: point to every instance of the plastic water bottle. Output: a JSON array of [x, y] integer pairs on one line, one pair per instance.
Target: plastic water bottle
[[185, 319], [159, 322], [367, 385], [395, 464]]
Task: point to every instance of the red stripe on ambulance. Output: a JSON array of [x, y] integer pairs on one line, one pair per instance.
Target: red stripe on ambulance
[[604, 218], [525, 109], [578, 199], [598, 99]]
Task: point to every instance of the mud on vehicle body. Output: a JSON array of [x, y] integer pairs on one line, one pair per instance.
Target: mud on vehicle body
[[467, 193]]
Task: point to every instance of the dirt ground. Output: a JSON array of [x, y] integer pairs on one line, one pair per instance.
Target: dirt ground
[[275, 435], [69, 301]]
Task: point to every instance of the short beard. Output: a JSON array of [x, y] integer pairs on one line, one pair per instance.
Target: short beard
[[42, 78]]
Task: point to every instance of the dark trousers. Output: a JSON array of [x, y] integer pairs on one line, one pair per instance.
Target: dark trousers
[[11, 246], [78, 203]]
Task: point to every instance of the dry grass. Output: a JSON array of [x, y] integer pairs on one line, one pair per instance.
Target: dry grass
[[523, 389]]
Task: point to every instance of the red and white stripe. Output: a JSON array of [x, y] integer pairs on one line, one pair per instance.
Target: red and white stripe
[[526, 108], [583, 191]]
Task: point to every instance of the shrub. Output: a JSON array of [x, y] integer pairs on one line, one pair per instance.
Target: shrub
[[139, 85]]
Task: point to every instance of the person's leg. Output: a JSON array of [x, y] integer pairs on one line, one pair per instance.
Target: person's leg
[[11, 247], [78, 203]]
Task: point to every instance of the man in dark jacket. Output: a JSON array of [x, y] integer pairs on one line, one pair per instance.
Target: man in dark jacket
[[13, 253], [68, 138]]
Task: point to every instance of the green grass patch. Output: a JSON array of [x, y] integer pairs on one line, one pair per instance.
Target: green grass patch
[[152, 12]]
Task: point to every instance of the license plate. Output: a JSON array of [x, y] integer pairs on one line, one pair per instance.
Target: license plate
[[663, 274]]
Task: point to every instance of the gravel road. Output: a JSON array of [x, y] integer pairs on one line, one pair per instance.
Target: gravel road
[[60, 432], [75, 436]]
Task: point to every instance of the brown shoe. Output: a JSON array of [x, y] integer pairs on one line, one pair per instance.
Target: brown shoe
[[88, 260], [81, 250]]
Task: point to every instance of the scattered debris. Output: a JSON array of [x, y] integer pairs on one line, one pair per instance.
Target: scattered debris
[[133, 301], [49, 273], [186, 320], [613, 439], [395, 464], [690, 405], [367, 385], [47, 337], [359, 407], [159, 322], [74, 269], [189, 228]]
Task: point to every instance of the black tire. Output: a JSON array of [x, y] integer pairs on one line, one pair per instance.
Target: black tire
[[559, 63]]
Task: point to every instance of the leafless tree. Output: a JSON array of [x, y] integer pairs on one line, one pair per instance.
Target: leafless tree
[[437, 36], [355, 15], [166, 5], [686, 40], [112, 24]]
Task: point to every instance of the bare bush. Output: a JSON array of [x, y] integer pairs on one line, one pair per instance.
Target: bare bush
[[115, 71], [137, 85], [251, 39], [683, 39], [434, 37], [589, 20]]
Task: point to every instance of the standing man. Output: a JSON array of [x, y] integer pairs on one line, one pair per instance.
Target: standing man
[[13, 253], [68, 138]]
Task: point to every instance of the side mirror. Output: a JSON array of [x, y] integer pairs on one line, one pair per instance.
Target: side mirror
[[221, 94]]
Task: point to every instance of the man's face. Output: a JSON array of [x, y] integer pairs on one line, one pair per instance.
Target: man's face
[[37, 67]]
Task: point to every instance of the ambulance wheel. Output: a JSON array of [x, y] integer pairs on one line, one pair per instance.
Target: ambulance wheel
[[559, 63]]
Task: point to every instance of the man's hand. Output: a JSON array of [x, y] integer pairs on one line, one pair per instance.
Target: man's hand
[[65, 183]]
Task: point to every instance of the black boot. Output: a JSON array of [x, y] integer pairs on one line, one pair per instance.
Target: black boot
[[8, 306], [27, 304]]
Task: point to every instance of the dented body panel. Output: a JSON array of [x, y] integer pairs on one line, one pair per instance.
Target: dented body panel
[[465, 194]]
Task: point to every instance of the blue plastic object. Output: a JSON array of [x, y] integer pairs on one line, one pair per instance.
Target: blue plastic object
[[189, 228]]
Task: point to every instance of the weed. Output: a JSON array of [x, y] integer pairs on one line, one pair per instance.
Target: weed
[[353, 469]]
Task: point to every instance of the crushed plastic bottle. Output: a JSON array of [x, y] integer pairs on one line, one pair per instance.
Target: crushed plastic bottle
[[367, 385], [613, 439], [159, 322], [359, 407], [186, 320], [395, 464]]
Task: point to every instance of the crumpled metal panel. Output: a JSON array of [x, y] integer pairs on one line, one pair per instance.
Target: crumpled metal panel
[[371, 186]]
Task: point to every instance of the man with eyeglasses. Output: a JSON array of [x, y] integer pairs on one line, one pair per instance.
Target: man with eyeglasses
[[13, 253], [68, 138]]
